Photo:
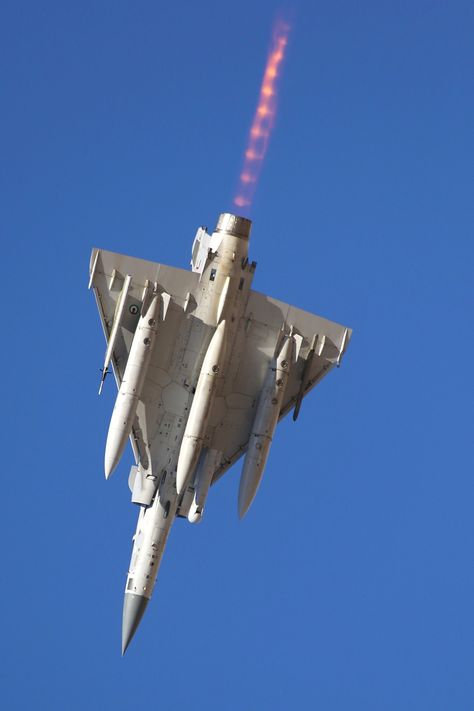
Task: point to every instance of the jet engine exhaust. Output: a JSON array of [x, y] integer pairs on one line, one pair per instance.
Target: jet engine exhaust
[[263, 120]]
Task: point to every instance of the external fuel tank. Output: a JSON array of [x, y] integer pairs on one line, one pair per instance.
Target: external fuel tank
[[265, 421]]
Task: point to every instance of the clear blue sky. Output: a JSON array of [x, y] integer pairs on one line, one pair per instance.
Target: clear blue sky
[[350, 584]]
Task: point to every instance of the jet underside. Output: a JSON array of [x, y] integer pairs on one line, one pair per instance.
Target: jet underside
[[205, 368]]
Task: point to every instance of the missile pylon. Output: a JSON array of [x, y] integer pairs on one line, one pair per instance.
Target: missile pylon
[[132, 384], [198, 419], [265, 421]]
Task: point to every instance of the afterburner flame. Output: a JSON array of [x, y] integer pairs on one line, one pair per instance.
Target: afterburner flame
[[263, 120]]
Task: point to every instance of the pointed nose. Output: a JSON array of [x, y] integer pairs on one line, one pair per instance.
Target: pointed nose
[[134, 607]]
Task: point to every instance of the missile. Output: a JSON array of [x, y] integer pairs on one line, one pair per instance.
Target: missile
[[200, 409], [132, 384], [203, 482], [266, 419], [306, 371], [122, 300]]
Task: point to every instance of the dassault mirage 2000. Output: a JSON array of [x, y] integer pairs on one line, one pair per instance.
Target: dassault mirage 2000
[[205, 368]]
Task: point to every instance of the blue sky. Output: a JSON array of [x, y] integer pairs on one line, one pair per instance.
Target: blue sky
[[350, 583]]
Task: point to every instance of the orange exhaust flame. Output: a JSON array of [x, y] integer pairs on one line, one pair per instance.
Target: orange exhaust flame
[[263, 120]]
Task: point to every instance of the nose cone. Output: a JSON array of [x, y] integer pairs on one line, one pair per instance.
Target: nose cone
[[134, 607]]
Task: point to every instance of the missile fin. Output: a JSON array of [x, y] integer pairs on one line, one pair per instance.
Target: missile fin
[[304, 376], [165, 302], [320, 342], [298, 344], [119, 312], [342, 347], [146, 297]]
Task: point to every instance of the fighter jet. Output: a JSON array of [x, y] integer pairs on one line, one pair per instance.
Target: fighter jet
[[205, 369]]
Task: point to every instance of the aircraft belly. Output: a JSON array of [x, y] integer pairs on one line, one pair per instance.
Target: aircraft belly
[[150, 540], [212, 388]]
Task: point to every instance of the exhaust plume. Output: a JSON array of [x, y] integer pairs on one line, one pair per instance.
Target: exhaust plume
[[263, 120]]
